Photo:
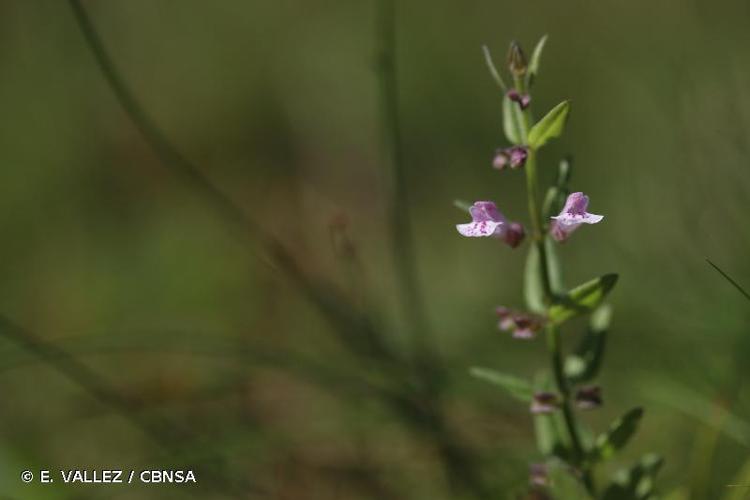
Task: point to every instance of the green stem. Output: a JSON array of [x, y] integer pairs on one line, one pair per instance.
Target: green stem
[[553, 336]]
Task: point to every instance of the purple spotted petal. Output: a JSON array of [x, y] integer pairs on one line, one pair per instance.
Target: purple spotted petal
[[572, 216]]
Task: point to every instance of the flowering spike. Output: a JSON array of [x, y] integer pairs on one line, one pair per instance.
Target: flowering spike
[[523, 100], [572, 216], [486, 220]]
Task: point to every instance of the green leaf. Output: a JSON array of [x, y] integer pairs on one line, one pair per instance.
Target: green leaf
[[512, 121], [618, 435], [532, 289], [536, 59], [493, 70], [549, 127], [582, 299], [584, 364], [637, 482], [515, 386]]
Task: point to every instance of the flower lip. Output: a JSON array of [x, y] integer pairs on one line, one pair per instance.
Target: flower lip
[[487, 220]]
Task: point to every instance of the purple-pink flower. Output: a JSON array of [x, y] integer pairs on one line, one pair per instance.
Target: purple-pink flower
[[523, 100], [572, 216], [486, 220], [522, 325], [513, 157]]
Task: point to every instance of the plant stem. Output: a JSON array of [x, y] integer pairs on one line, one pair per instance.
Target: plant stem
[[553, 336]]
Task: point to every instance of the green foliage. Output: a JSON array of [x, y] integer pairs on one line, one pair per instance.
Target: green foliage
[[512, 121], [535, 61], [515, 386], [558, 192], [549, 127], [618, 435], [636, 482], [583, 365], [532, 289], [582, 299]]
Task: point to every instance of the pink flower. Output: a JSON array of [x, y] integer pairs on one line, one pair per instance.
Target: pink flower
[[486, 220], [588, 398], [573, 215]]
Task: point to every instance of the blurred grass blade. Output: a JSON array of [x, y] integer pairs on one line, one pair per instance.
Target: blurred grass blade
[[729, 279], [493, 70], [515, 386], [618, 435], [535, 61], [696, 405], [549, 127], [584, 364], [636, 482], [739, 488], [582, 299]]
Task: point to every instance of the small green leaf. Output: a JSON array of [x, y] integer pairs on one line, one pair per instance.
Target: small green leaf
[[637, 482], [618, 435], [512, 121], [556, 194], [549, 127], [516, 387], [582, 299], [493, 70], [584, 364], [536, 59]]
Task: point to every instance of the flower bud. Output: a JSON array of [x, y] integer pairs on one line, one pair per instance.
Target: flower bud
[[538, 475], [516, 60], [544, 403], [513, 157], [523, 100], [589, 398]]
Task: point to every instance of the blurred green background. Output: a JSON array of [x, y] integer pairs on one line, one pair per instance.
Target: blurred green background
[[110, 257]]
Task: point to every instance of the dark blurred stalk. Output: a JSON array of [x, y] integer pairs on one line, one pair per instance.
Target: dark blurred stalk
[[729, 279]]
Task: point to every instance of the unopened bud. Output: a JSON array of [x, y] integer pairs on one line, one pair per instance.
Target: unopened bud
[[516, 59]]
